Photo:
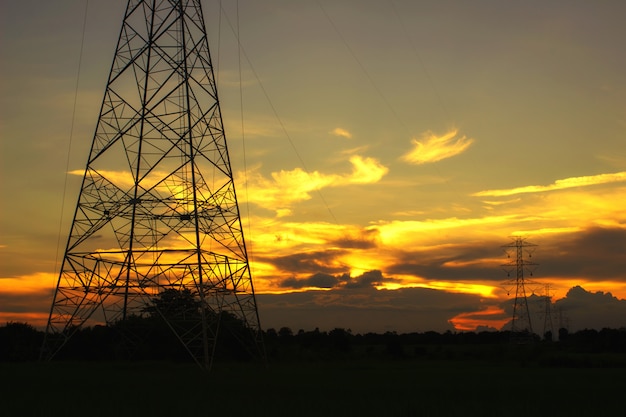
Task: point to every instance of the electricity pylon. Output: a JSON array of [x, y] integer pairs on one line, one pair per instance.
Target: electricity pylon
[[157, 209], [548, 322], [521, 323]]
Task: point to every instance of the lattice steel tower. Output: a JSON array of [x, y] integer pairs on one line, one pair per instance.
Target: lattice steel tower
[[521, 323], [548, 322], [157, 210]]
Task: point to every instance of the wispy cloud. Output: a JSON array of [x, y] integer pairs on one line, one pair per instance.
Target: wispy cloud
[[557, 185], [338, 131], [433, 148], [366, 170]]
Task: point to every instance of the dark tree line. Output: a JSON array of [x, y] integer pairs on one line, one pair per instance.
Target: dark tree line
[[148, 338], [339, 343]]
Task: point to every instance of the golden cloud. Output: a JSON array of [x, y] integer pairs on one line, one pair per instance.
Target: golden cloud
[[406, 233], [565, 211], [285, 188], [557, 185], [27, 284], [433, 148], [366, 170], [341, 133]]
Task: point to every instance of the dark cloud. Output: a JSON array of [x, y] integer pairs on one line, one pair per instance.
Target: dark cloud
[[596, 254], [367, 240], [461, 262], [356, 304], [369, 279], [581, 309], [593, 254], [578, 310], [36, 301], [607, 243], [365, 309], [31, 307], [419, 309], [319, 280], [308, 262]]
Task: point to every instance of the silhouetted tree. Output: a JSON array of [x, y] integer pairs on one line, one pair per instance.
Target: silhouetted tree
[[547, 336], [19, 342], [271, 333], [181, 310], [311, 340], [340, 339], [285, 333], [173, 304], [393, 345]]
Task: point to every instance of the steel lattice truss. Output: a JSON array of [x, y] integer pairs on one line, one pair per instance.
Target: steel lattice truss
[[157, 209]]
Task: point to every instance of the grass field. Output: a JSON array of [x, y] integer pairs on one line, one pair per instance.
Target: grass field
[[332, 388]]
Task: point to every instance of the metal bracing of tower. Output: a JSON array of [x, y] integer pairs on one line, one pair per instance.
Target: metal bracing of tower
[[521, 323], [157, 209]]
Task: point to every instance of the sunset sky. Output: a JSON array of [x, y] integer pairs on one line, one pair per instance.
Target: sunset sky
[[384, 150]]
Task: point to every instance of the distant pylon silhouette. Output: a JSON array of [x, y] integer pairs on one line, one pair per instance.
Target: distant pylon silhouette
[[548, 322], [157, 209], [521, 323]]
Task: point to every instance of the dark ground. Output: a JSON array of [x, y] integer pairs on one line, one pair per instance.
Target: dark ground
[[321, 374], [326, 388]]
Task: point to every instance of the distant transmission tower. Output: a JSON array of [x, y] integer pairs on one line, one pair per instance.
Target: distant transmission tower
[[548, 322], [157, 212], [521, 323]]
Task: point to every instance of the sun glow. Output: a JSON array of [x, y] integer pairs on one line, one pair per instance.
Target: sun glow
[[486, 291]]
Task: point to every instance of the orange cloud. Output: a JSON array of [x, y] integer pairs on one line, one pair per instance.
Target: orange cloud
[[492, 316], [33, 318], [433, 148], [27, 298], [29, 284]]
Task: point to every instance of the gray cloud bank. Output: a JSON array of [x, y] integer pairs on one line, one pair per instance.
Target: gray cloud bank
[[362, 308]]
